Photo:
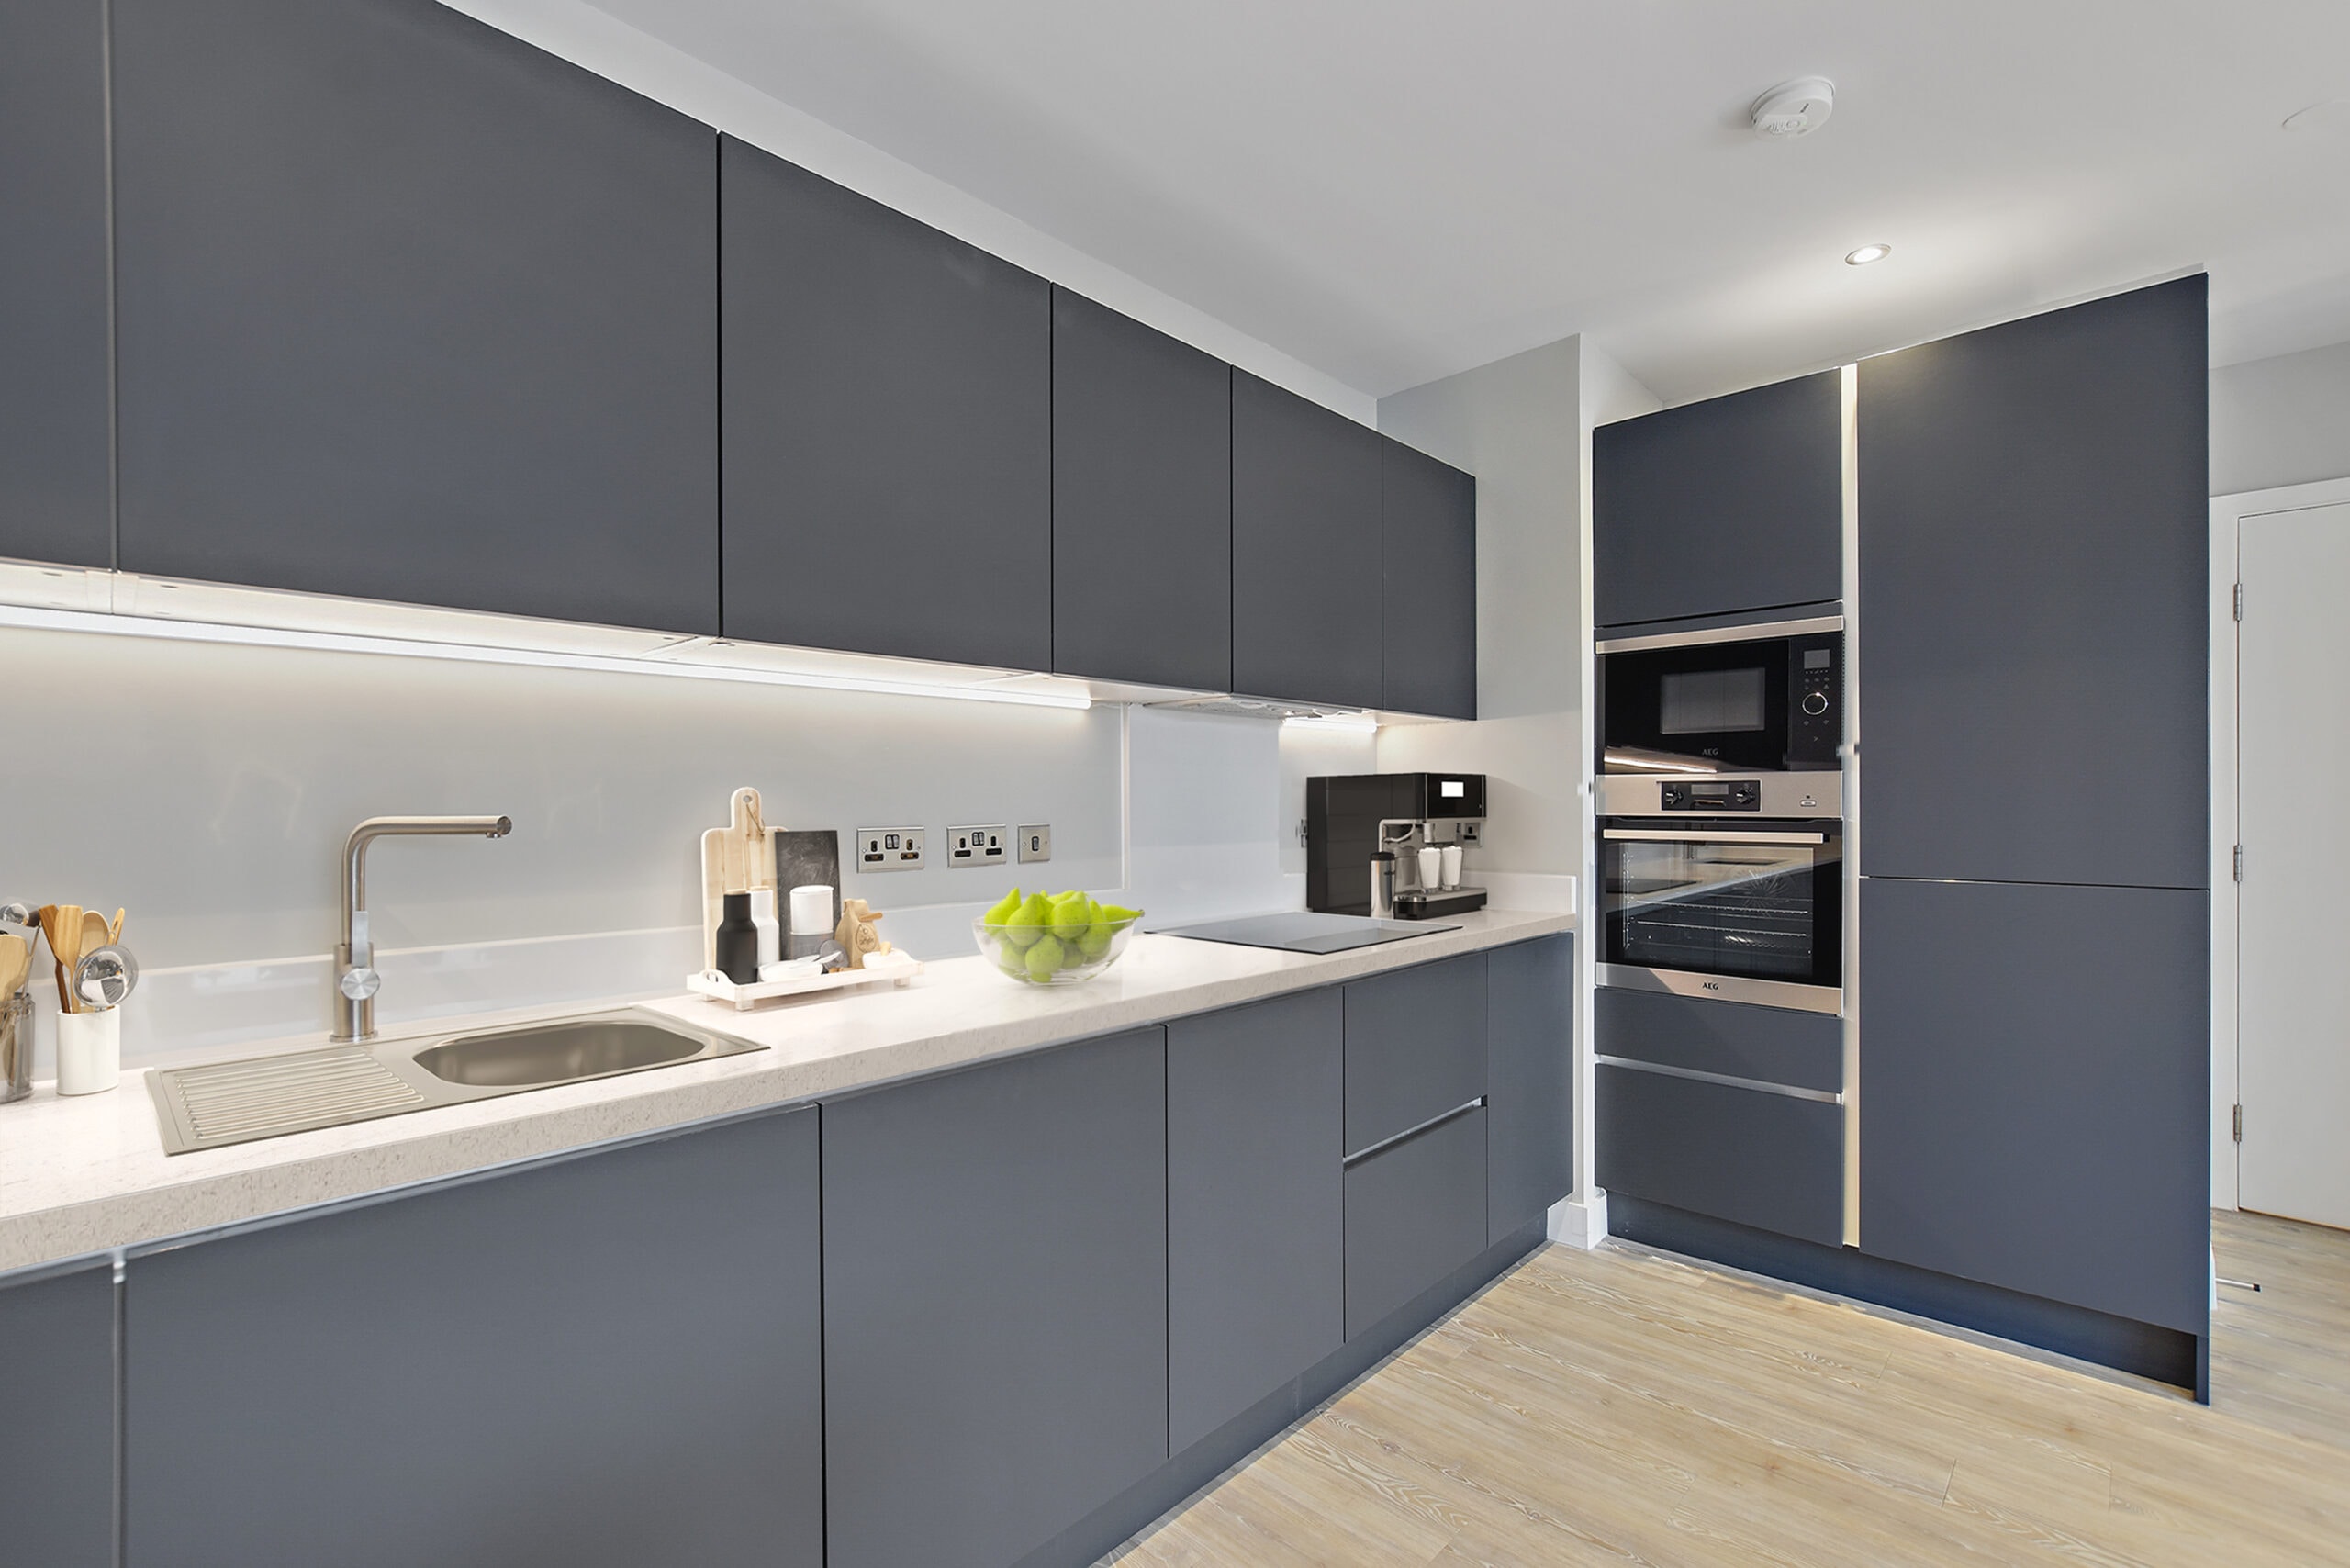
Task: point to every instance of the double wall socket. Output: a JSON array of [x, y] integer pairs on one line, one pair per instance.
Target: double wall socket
[[889, 849], [978, 845]]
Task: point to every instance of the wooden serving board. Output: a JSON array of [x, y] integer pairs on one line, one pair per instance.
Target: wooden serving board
[[735, 858], [717, 987]]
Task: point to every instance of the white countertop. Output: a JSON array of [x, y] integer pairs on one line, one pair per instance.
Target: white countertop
[[87, 1175]]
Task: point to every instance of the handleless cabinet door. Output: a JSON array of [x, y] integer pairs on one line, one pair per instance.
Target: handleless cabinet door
[[57, 1420], [1308, 573], [1415, 1210], [1142, 502], [1416, 1047], [614, 1359], [2033, 616], [56, 471], [995, 1303], [1529, 1081], [411, 311], [1256, 1226], [1729, 505], [1430, 509], [887, 428]]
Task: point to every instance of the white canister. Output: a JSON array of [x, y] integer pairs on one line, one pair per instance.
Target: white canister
[[763, 918], [89, 1051], [812, 920], [1431, 869], [1453, 865]]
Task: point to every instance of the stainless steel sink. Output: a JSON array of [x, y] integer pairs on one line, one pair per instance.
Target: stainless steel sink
[[237, 1102]]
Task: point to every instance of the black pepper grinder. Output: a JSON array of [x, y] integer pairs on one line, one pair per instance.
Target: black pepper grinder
[[738, 941]]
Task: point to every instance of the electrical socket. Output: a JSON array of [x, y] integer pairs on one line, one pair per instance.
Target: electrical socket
[[889, 849], [978, 845], [1035, 842]]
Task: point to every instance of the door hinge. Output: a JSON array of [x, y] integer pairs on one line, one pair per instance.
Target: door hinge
[[2239, 1123], [2239, 602], [2239, 862]]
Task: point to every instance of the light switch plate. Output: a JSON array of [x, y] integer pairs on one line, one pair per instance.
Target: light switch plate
[[978, 845], [889, 849], [1035, 842]]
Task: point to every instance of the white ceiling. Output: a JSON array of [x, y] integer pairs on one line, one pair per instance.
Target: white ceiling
[[1394, 190]]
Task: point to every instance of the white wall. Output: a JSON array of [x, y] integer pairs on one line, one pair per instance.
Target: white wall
[[2281, 421]]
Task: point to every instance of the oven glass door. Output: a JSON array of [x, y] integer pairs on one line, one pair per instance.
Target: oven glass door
[[1754, 908]]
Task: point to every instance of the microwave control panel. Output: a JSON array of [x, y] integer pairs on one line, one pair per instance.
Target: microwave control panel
[[1711, 795], [1815, 699]]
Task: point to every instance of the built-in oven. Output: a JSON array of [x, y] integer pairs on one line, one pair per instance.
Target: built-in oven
[[1734, 909], [1729, 719]]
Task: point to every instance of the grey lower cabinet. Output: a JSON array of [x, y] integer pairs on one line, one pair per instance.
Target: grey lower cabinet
[[1142, 502], [407, 309], [1735, 504], [1308, 566], [889, 427], [57, 1420], [56, 403], [611, 1360], [2035, 1091], [1415, 1210], [2033, 600], [1415, 1047], [1255, 1204], [1529, 1081], [1431, 552], [1774, 1161], [995, 1302]]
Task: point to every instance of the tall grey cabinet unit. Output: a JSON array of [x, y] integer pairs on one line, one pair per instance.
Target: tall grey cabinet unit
[[410, 310], [2033, 571], [1729, 505], [56, 396], [1529, 1081], [995, 1302], [889, 427], [1308, 565], [612, 1360], [57, 1420], [1142, 502], [1255, 1203], [1429, 509]]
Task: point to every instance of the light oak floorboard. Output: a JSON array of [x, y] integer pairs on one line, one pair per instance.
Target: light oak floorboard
[[1621, 1407]]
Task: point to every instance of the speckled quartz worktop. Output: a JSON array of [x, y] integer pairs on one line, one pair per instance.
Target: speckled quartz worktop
[[88, 1175]]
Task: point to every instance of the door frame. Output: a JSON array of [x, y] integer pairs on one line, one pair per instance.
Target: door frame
[[2228, 515]]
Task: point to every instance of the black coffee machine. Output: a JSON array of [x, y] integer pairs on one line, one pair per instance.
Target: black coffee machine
[[1351, 820]]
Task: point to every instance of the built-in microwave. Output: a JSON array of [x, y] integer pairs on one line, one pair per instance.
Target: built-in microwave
[[1725, 910], [1728, 721]]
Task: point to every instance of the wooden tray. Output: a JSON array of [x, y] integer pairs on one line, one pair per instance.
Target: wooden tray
[[718, 988]]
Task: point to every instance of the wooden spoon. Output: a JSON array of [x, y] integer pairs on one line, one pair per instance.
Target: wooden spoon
[[62, 923], [95, 935], [16, 959]]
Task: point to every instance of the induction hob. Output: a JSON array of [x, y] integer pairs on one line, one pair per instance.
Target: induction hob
[[1304, 931]]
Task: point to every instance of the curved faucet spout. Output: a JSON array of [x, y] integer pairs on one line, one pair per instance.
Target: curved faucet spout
[[355, 978]]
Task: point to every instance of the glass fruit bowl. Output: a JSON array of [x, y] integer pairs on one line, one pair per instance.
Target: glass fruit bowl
[[1060, 944]]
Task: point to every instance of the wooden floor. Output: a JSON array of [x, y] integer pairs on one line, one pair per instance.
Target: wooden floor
[[1618, 1406]]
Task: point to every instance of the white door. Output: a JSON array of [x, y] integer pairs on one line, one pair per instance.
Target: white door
[[2293, 930]]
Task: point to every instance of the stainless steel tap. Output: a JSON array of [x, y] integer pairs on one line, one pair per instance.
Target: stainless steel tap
[[356, 982]]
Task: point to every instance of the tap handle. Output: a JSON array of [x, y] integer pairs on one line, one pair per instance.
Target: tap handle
[[359, 982]]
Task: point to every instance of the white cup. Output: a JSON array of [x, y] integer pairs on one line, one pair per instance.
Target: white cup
[[1453, 865], [89, 1051], [1431, 868]]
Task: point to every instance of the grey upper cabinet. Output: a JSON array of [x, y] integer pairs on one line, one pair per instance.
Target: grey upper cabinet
[[889, 427], [56, 469], [1730, 505], [2035, 1107], [1308, 574], [1256, 1228], [995, 1302], [410, 310], [57, 1422], [1529, 1081], [613, 1360], [2032, 608], [1430, 511], [1142, 502]]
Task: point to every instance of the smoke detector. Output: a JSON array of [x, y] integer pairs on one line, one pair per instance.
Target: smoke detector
[[1794, 109]]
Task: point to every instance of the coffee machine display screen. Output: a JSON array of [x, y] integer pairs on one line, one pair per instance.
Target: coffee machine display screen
[[1452, 788]]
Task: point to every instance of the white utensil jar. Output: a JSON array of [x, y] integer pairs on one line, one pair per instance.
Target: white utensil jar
[[89, 1051]]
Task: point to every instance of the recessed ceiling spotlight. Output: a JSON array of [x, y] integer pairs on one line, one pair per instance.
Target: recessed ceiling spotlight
[[1794, 109], [1866, 254]]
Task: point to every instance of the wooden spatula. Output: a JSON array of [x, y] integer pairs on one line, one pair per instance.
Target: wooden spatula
[[62, 924], [114, 932], [16, 958]]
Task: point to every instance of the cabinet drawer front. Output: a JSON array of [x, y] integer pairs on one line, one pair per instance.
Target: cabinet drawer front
[[1770, 1045], [1768, 1160], [1415, 1212], [1415, 1047]]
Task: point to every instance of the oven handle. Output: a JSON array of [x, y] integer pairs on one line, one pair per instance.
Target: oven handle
[[1725, 835]]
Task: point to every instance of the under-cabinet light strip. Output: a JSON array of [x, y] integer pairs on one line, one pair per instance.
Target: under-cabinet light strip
[[106, 623]]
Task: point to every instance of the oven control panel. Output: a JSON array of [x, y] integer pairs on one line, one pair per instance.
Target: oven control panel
[[1710, 795]]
